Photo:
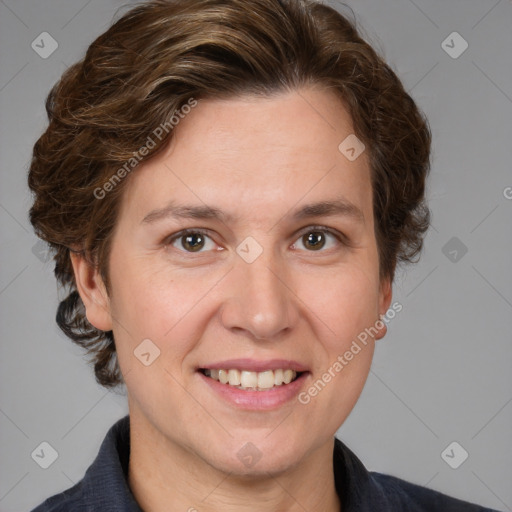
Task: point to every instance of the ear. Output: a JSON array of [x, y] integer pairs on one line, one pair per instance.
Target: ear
[[385, 295], [93, 292]]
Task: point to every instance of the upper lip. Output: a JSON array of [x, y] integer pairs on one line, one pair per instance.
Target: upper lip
[[253, 365]]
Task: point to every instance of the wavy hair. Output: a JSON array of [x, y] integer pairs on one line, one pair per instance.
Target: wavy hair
[[161, 53]]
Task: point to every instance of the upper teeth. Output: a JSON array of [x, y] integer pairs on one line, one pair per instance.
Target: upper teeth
[[257, 380]]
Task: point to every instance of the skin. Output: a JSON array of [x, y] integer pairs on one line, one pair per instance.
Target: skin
[[258, 160]]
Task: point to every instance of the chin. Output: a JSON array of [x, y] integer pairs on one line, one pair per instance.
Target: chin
[[254, 459]]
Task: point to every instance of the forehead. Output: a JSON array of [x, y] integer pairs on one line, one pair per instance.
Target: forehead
[[250, 154]]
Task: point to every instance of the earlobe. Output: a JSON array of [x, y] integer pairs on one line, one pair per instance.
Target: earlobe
[[386, 293], [93, 292], [385, 296]]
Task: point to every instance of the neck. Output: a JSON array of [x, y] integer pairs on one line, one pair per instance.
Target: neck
[[165, 476]]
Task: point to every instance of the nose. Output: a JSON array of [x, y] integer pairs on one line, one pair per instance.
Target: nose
[[260, 300]]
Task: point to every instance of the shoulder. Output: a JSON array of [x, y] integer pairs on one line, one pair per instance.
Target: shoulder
[[368, 491], [104, 485], [70, 499], [415, 498]]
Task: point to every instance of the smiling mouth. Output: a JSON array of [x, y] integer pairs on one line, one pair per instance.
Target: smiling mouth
[[252, 381]]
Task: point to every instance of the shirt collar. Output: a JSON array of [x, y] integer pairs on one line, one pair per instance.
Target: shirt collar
[[105, 484], [357, 488]]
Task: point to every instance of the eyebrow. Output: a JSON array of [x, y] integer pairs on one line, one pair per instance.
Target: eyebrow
[[337, 207]]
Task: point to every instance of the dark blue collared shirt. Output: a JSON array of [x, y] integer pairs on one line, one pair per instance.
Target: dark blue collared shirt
[[104, 487]]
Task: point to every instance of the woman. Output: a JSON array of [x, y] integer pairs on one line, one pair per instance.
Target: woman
[[228, 187]]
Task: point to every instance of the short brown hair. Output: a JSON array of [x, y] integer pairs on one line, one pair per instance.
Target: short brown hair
[[160, 54]]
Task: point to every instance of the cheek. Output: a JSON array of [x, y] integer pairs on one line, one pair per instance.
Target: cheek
[[153, 302], [345, 312], [147, 295], [345, 301], [157, 306]]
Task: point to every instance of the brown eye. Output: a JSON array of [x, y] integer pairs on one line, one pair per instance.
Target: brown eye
[[191, 241], [314, 240], [320, 239]]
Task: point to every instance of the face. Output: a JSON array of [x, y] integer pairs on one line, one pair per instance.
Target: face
[[261, 281]]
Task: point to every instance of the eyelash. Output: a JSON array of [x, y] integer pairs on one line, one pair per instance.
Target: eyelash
[[310, 229]]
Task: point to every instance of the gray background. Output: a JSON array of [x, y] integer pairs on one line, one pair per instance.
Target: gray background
[[442, 373]]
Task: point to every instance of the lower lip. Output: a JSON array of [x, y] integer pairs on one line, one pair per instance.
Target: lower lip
[[256, 400]]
